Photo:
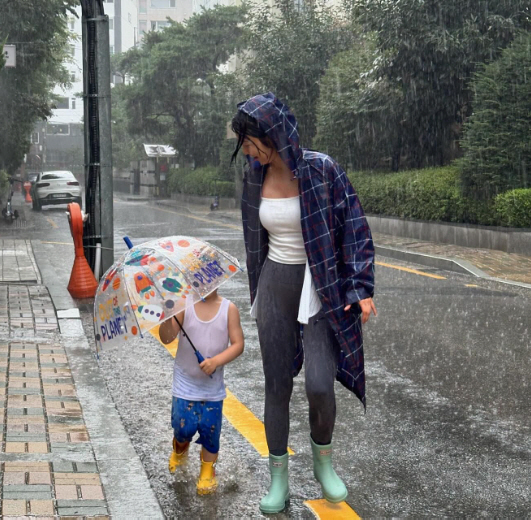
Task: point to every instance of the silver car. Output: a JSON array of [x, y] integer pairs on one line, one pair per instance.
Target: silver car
[[57, 187]]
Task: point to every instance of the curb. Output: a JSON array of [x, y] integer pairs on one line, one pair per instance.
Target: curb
[[439, 262]]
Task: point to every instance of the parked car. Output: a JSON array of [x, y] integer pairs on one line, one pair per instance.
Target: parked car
[[57, 187]]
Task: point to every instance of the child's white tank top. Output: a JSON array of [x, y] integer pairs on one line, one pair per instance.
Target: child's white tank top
[[210, 338]]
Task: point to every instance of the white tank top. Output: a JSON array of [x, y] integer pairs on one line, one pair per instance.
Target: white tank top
[[282, 220], [210, 338]]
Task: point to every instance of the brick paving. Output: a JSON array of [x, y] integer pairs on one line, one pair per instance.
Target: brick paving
[[42, 416], [17, 263], [47, 464]]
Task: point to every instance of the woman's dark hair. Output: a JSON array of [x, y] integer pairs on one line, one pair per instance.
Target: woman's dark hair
[[244, 125]]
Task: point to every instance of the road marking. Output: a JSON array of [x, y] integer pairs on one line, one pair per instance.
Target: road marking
[[237, 414], [58, 243], [325, 510], [202, 219], [52, 222], [471, 285], [413, 271]]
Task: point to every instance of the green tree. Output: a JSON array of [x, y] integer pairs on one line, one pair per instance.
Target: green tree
[[497, 137], [289, 51], [39, 31], [429, 50], [125, 146], [356, 109], [177, 93]]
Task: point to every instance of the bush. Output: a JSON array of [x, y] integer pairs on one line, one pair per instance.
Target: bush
[[513, 208], [428, 194], [201, 181]]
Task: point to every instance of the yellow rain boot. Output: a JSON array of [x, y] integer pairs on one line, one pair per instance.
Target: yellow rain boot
[[177, 458], [207, 482]]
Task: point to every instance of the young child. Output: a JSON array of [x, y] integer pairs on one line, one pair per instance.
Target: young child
[[198, 389]]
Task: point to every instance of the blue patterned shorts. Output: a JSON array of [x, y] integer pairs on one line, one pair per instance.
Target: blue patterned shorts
[[190, 417]]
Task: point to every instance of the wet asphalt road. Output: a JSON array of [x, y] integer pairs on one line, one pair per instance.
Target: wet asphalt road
[[448, 390]]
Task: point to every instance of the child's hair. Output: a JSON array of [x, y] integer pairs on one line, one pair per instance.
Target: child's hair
[[244, 125]]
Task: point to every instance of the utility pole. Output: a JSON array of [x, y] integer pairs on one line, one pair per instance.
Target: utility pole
[[98, 148]]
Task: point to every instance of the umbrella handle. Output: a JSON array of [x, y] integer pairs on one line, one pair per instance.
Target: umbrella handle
[[200, 359], [199, 356]]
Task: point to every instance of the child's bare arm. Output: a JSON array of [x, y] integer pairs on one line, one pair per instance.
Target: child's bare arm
[[236, 344], [170, 328]]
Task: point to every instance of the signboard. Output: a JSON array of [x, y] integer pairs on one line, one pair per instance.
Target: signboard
[[159, 150], [10, 55]]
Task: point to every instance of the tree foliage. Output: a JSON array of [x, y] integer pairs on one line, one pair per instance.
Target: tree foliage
[[289, 49], [177, 94], [497, 137], [428, 51], [39, 31], [354, 109]]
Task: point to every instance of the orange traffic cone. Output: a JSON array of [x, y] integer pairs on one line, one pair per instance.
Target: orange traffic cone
[[27, 187], [82, 283]]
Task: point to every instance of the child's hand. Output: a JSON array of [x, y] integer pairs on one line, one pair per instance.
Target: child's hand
[[208, 366]]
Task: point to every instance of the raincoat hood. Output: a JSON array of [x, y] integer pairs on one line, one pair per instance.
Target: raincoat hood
[[276, 119]]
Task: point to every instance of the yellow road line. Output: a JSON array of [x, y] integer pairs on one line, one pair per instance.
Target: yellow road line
[[236, 413], [471, 285], [202, 219], [325, 510], [413, 271], [52, 222]]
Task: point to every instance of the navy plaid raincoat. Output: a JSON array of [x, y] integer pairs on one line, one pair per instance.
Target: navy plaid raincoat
[[336, 235]]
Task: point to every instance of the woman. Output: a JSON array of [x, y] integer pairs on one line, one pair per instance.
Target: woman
[[310, 261]]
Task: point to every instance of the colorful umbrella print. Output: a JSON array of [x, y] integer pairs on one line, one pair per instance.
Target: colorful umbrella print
[[153, 281]]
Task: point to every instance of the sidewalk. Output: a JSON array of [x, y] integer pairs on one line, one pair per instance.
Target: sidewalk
[[61, 455], [483, 263], [496, 264]]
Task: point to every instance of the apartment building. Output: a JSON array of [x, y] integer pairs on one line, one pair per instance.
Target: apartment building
[[58, 142], [198, 5], [153, 14]]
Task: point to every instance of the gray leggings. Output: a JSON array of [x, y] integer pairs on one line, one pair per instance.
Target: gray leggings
[[279, 292]]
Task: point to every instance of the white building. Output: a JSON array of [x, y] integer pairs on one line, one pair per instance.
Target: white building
[[209, 4], [153, 14], [58, 143]]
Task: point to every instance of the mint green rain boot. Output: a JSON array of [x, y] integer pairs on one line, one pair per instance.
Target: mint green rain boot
[[278, 494], [334, 490]]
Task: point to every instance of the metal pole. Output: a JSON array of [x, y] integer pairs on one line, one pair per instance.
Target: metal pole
[[104, 108], [98, 147]]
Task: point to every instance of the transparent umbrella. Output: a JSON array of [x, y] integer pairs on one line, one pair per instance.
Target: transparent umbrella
[[154, 281]]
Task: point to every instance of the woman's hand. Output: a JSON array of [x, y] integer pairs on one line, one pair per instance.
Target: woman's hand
[[367, 306], [208, 366]]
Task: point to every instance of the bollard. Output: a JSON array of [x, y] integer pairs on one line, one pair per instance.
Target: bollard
[[27, 187], [82, 283]]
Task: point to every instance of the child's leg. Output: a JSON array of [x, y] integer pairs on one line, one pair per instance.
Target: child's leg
[[184, 419], [209, 427], [209, 431], [207, 456]]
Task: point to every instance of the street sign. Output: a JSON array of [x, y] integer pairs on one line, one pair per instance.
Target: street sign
[[10, 55]]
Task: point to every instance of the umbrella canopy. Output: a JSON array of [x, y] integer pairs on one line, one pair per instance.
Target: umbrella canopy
[[154, 281]]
